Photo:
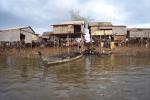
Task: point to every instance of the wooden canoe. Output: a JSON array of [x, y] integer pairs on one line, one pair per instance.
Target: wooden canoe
[[62, 61]]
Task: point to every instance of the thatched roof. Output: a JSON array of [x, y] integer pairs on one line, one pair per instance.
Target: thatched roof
[[70, 23], [100, 24], [119, 26], [47, 33]]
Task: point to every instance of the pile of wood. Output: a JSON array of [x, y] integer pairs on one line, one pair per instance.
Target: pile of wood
[[94, 52]]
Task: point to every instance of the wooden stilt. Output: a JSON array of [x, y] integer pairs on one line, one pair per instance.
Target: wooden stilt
[[91, 43], [54, 41], [68, 43], [58, 42], [100, 44]]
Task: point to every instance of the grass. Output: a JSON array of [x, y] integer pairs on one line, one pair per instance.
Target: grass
[[132, 51], [33, 52]]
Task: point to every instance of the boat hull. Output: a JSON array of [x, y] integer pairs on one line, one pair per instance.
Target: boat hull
[[63, 61]]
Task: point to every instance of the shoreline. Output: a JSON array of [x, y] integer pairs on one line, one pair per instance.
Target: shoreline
[[33, 52]]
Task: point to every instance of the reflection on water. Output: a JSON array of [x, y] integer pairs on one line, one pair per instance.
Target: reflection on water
[[88, 63], [9, 61], [89, 78]]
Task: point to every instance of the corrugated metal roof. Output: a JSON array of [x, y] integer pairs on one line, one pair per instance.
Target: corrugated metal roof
[[136, 29], [20, 28]]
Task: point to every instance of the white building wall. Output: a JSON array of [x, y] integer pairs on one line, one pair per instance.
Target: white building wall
[[35, 38], [10, 35], [13, 35], [140, 34]]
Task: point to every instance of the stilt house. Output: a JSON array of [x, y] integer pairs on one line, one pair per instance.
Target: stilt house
[[67, 32]]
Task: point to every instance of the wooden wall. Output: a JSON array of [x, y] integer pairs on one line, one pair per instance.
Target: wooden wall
[[12, 35], [118, 30], [100, 31], [63, 29], [120, 38]]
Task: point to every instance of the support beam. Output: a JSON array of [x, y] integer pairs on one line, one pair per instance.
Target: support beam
[[68, 43]]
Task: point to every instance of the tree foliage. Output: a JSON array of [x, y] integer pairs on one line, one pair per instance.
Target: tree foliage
[[75, 16]]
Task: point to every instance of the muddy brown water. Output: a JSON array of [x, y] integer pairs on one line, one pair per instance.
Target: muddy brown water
[[89, 78]]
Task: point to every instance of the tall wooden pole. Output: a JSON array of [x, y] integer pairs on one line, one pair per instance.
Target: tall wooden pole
[[91, 44], [54, 41], [100, 44], [68, 42], [58, 42]]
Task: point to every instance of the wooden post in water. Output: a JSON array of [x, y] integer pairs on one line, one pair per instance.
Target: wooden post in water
[[82, 43], [91, 43]]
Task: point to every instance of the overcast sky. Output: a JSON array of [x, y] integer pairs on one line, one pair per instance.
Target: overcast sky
[[40, 14]]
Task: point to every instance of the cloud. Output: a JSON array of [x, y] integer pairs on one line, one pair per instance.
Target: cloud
[[136, 11], [102, 11], [42, 13], [145, 25], [38, 13]]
